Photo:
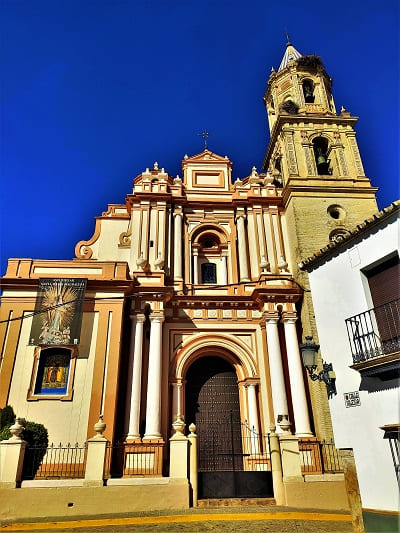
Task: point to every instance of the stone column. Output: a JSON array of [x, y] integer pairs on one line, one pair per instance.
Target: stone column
[[279, 399], [195, 267], [178, 246], [176, 399], [224, 270], [242, 250], [299, 400], [135, 377], [153, 408], [253, 417]]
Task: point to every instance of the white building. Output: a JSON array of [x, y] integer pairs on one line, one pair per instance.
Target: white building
[[356, 290]]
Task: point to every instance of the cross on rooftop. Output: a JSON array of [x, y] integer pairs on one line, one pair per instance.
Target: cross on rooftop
[[205, 136]]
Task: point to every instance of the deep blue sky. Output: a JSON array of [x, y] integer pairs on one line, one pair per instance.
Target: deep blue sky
[[95, 91]]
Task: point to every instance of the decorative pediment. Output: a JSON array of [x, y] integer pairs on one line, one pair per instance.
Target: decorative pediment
[[206, 156], [207, 172]]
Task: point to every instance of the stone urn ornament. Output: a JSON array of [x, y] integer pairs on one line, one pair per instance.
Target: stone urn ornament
[[99, 428], [178, 425], [284, 423], [16, 429]]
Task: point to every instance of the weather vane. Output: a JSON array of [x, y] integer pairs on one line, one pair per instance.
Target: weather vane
[[205, 136], [287, 37]]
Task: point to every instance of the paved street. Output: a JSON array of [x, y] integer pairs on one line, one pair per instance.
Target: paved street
[[224, 520]]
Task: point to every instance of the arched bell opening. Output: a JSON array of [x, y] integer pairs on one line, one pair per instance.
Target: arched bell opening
[[321, 151], [308, 91]]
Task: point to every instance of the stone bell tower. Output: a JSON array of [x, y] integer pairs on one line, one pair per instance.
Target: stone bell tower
[[313, 157]]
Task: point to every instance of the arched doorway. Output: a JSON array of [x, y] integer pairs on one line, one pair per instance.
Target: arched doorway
[[212, 403], [228, 466]]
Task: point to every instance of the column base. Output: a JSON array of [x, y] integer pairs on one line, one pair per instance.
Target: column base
[[133, 439], [152, 438]]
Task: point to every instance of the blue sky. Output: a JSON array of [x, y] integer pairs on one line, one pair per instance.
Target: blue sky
[[93, 92]]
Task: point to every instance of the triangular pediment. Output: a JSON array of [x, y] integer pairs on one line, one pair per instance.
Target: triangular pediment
[[207, 172], [206, 155]]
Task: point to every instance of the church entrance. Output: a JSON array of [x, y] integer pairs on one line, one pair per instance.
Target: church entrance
[[230, 454]]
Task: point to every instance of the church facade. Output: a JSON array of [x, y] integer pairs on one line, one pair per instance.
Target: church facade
[[193, 303]]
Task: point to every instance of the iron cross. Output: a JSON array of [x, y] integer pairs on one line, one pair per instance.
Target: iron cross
[[205, 136]]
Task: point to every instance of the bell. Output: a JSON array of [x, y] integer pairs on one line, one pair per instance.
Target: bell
[[321, 160]]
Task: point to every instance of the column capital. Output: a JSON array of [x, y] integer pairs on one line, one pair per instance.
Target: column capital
[[249, 384], [137, 317], [289, 317], [240, 216], [270, 317], [178, 214], [157, 318]]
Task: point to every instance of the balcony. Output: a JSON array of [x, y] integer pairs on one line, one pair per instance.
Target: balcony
[[374, 338]]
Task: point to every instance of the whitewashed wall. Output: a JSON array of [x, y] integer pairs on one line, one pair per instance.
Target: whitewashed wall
[[339, 291]]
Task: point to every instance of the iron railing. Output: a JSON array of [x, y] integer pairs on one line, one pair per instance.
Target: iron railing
[[54, 462], [375, 332], [131, 460], [319, 457]]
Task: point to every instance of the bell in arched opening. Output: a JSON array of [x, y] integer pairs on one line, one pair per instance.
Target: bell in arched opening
[[308, 91], [321, 155]]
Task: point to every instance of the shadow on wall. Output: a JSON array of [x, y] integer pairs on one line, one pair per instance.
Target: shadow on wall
[[372, 384]]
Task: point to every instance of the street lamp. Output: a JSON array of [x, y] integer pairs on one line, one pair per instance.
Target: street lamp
[[309, 355]]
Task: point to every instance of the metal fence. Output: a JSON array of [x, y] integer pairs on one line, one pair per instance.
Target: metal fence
[[54, 462], [319, 457], [375, 332], [131, 460]]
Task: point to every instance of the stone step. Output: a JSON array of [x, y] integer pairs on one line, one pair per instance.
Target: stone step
[[235, 502]]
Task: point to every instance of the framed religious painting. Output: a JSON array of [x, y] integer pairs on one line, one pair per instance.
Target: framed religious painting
[[53, 373]]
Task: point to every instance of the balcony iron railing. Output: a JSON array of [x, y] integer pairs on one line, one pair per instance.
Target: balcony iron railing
[[375, 332]]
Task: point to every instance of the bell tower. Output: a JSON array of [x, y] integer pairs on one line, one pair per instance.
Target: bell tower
[[313, 158], [313, 155]]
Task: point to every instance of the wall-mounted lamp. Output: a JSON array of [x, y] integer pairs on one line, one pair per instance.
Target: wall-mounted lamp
[[309, 354]]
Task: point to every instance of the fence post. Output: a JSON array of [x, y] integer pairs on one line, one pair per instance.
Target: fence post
[[276, 467], [12, 453], [193, 464], [290, 453], [352, 489], [178, 452], [95, 458]]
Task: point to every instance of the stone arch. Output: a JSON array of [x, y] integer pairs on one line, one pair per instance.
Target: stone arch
[[323, 134], [208, 228], [232, 350]]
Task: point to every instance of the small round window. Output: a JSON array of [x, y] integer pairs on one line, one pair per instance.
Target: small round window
[[336, 212]]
